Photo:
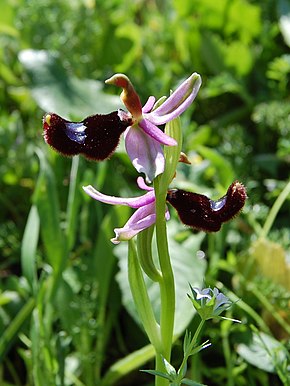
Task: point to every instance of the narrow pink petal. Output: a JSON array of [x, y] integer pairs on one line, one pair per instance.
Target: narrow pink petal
[[187, 88], [142, 185], [145, 153], [178, 101], [148, 105], [141, 219], [156, 133], [167, 214], [133, 202]]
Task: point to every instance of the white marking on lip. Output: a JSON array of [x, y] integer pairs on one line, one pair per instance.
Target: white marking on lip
[[218, 204], [76, 132]]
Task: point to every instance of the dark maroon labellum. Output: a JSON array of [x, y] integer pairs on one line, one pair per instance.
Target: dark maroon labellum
[[96, 137], [199, 212]]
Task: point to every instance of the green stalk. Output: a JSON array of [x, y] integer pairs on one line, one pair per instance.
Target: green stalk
[[73, 203], [167, 289], [11, 331], [144, 247], [193, 343], [227, 352], [274, 210], [141, 298]]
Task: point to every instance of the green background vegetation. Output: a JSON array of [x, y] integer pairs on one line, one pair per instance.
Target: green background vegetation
[[65, 314]]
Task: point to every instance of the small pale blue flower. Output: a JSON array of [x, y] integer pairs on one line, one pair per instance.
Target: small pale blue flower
[[209, 303]]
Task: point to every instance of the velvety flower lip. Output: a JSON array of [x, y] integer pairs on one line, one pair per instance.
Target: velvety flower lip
[[95, 137], [200, 212], [143, 139], [141, 219]]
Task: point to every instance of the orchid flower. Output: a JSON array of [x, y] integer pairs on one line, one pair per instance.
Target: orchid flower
[[141, 219], [143, 139], [194, 210]]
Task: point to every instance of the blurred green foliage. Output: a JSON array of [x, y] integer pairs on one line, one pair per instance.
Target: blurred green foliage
[[63, 318]]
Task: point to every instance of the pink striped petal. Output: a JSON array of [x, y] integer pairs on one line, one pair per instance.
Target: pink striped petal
[[142, 218], [178, 101], [155, 133], [145, 153], [142, 185], [148, 105], [133, 202]]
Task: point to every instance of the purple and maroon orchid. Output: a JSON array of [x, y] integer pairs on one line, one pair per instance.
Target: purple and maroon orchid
[[194, 210], [97, 136]]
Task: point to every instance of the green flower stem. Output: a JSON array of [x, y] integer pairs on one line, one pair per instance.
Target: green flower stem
[[274, 210], [144, 241], [11, 331], [225, 332], [73, 202], [171, 153], [141, 298], [167, 289], [193, 343]]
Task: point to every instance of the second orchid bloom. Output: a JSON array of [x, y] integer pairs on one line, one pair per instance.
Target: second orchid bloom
[[195, 210]]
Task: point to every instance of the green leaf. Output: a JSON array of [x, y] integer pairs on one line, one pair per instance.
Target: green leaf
[[157, 373], [126, 364], [239, 57], [46, 199], [169, 368], [55, 90], [223, 168], [7, 337], [213, 52], [73, 202], [70, 311], [29, 246], [188, 382], [221, 84], [243, 19], [264, 352], [7, 24], [186, 267]]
